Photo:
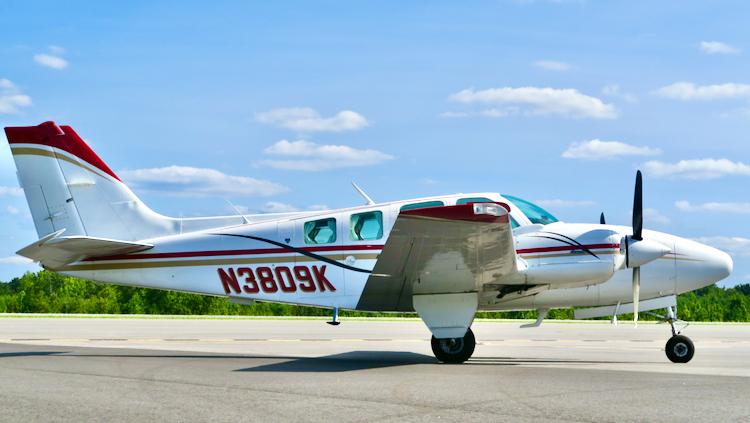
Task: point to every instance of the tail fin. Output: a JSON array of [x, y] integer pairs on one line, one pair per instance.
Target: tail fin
[[69, 187]]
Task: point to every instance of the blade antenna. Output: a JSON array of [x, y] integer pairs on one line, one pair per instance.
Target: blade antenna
[[602, 221], [244, 219], [364, 195]]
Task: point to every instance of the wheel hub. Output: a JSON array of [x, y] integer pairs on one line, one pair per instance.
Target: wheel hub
[[680, 349], [452, 345]]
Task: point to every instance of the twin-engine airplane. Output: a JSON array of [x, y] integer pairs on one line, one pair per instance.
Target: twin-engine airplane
[[445, 257]]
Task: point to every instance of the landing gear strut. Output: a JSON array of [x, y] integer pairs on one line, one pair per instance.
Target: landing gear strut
[[454, 350], [679, 348]]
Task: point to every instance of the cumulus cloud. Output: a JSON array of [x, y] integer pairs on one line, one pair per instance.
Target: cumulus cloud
[[10, 191], [552, 65], [535, 101], [12, 210], [309, 156], [277, 207], [688, 91], [696, 169], [613, 90], [654, 216], [597, 149], [11, 97], [306, 119], [734, 245], [16, 260], [198, 182], [716, 47], [714, 207], [558, 203], [51, 61]]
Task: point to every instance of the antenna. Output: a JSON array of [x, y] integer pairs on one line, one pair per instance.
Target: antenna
[[364, 195], [244, 219]]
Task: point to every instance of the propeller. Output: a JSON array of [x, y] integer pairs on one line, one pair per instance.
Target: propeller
[[637, 236]]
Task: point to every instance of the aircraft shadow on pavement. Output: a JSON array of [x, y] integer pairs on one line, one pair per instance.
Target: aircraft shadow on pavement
[[28, 353], [346, 362]]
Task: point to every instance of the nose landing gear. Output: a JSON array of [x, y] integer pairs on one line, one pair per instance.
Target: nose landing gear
[[679, 348]]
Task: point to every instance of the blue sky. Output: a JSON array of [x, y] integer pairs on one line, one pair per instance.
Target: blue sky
[[278, 106]]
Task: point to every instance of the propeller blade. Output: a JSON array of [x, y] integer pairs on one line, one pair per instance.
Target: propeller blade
[[636, 293], [601, 219], [638, 208]]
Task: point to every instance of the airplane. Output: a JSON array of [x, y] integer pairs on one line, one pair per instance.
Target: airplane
[[443, 257]]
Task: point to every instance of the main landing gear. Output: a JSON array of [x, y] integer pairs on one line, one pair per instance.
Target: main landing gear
[[679, 348], [454, 350]]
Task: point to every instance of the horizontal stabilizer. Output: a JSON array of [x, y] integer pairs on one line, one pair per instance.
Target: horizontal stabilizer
[[54, 251], [609, 311]]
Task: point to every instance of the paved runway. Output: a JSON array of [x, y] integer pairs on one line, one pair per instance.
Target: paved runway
[[65, 369]]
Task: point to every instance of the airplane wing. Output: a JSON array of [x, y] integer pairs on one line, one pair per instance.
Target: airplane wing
[[54, 251], [435, 250]]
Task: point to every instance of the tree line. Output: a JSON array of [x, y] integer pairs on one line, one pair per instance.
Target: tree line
[[48, 292]]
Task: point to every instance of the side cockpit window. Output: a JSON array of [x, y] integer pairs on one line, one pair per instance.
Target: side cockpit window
[[366, 226], [422, 205], [321, 231]]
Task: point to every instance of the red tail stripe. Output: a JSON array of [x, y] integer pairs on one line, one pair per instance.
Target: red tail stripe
[[60, 137], [236, 252], [566, 248]]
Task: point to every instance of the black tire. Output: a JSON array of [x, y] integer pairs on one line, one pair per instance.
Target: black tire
[[454, 350], [679, 349]]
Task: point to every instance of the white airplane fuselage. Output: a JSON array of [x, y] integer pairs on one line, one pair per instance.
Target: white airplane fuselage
[[266, 261]]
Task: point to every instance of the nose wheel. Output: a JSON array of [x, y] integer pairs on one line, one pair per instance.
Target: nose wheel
[[679, 348], [454, 350]]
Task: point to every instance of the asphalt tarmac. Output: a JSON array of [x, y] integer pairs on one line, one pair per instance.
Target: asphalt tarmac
[[91, 369]]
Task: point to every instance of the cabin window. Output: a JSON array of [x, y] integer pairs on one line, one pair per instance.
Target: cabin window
[[422, 205], [366, 226], [321, 231], [468, 200]]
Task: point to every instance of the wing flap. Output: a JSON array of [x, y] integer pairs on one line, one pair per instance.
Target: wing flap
[[54, 251], [447, 249]]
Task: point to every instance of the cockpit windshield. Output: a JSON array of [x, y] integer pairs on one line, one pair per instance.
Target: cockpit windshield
[[535, 213]]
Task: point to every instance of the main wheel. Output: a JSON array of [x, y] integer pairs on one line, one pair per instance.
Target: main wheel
[[454, 350], [679, 349]]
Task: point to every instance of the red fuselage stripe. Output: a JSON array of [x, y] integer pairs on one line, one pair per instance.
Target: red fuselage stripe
[[255, 251]]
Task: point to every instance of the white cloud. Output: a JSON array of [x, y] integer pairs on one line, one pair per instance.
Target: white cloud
[[10, 191], [716, 47], [305, 119], [541, 101], [714, 207], [50, 61], [597, 149], [198, 182], [16, 260], [613, 90], [277, 207], [734, 245], [559, 204], [697, 169], [552, 65], [11, 97], [687, 91], [11, 210], [309, 156], [654, 216]]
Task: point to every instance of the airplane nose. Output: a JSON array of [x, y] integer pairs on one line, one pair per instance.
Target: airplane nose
[[720, 264]]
